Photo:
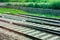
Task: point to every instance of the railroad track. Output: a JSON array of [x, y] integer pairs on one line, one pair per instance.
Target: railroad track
[[51, 31], [37, 17], [46, 21], [30, 32]]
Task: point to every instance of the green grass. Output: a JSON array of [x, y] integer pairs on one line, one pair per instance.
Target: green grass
[[15, 12]]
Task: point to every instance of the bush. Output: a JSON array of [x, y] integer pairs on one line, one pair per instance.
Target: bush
[[8, 4], [41, 5], [52, 4], [30, 5], [55, 4]]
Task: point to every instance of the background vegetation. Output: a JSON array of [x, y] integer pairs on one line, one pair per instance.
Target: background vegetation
[[54, 4], [23, 0]]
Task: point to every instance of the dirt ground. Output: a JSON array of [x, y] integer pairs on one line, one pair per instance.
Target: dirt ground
[[8, 35]]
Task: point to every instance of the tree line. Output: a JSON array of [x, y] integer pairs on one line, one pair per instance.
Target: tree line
[[23, 0]]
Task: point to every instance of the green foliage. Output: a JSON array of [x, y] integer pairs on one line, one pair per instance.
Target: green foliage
[[4, 0], [23, 0], [55, 4], [40, 5]]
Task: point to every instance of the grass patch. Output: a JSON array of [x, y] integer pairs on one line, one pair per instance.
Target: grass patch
[[15, 12]]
